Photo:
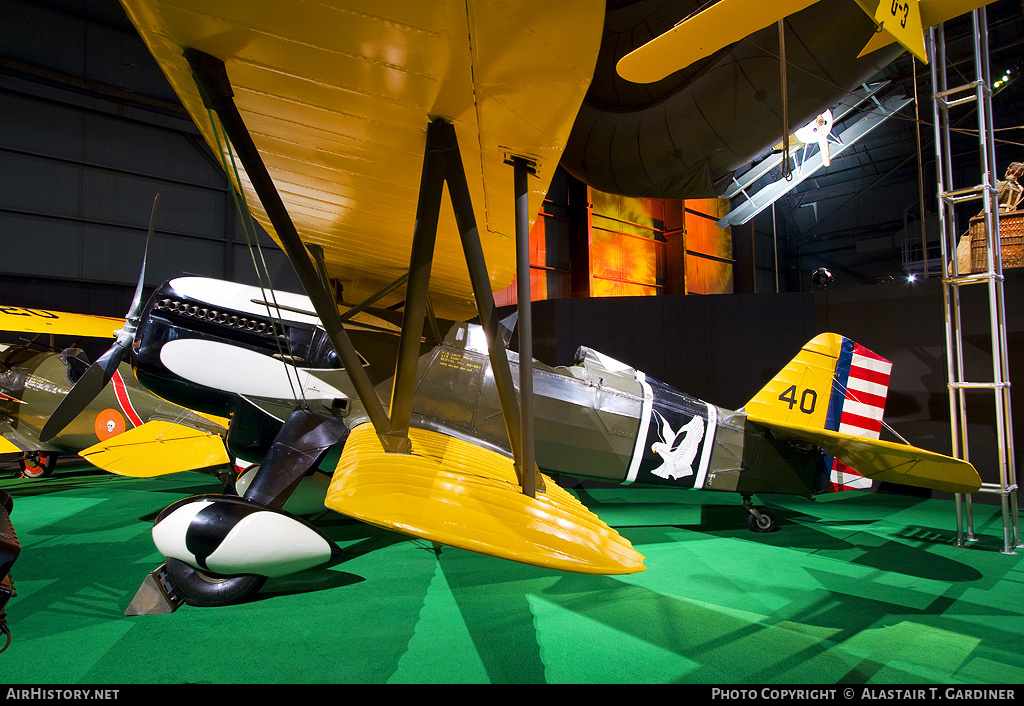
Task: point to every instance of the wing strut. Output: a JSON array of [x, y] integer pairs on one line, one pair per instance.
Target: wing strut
[[442, 163], [212, 79], [522, 169]]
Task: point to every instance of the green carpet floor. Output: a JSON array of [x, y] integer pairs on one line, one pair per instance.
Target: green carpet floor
[[855, 588]]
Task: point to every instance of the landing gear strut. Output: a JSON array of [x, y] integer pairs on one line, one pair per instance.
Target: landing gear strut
[[38, 464], [760, 519]]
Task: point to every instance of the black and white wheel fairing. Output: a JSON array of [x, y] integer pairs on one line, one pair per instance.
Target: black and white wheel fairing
[[220, 549]]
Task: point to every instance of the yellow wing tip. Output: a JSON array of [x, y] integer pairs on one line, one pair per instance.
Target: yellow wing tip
[[157, 448], [455, 493]]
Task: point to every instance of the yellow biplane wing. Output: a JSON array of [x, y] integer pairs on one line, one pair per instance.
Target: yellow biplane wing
[[157, 448], [701, 35], [448, 485], [905, 22], [337, 97], [28, 320]]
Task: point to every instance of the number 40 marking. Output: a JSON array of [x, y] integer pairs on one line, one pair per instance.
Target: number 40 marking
[[808, 399]]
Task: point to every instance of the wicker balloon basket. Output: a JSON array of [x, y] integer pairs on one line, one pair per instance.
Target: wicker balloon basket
[[1011, 236]]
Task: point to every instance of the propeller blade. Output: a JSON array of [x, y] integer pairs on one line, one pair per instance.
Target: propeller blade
[[132, 318], [84, 391], [96, 377]]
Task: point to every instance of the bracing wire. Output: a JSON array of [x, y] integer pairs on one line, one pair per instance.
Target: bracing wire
[[853, 396], [261, 268]]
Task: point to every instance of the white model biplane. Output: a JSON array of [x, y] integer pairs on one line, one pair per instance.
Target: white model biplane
[[414, 141]]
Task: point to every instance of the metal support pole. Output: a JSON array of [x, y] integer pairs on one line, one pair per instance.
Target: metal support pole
[[997, 309], [458, 190], [424, 236], [950, 294], [786, 173], [212, 79], [524, 297], [920, 174]]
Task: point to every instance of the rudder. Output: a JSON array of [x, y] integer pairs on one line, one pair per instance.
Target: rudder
[[833, 383]]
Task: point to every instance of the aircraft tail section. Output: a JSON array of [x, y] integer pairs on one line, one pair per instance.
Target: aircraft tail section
[[833, 384]]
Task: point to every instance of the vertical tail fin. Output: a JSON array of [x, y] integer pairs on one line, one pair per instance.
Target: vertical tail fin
[[834, 384]]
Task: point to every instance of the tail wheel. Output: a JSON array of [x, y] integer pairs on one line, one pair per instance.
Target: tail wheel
[[761, 520], [38, 464], [205, 589]]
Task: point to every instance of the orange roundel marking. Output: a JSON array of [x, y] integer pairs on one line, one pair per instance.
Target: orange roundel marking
[[109, 423]]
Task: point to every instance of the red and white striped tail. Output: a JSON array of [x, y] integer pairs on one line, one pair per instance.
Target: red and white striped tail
[[863, 403]]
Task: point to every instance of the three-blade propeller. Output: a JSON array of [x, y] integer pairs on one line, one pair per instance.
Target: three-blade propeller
[[100, 373]]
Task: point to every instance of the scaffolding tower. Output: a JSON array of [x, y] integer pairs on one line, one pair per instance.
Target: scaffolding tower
[[945, 99]]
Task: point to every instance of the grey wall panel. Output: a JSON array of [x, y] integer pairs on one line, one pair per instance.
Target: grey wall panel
[[40, 127], [79, 191], [38, 186], [41, 248], [277, 269], [90, 132]]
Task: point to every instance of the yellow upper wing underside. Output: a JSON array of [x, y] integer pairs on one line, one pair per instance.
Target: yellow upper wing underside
[[338, 95]]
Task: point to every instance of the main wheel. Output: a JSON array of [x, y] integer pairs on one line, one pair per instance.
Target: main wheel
[[765, 523], [205, 589], [38, 464]]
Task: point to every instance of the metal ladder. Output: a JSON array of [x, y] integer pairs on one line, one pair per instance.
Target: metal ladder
[[944, 99]]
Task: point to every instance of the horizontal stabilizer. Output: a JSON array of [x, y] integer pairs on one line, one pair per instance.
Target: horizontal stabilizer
[[455, 493], [885, 460], [157, 448], [58, 323]]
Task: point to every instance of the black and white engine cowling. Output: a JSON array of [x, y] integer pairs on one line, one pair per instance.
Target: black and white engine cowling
[[205, 343]]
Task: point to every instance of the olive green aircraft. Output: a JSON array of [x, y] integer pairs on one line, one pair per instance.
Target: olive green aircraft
[[120, 422], [33, 381]]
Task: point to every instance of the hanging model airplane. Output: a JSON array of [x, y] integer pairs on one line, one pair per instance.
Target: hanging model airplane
[[320, 108], [728, 21], [684, 135]]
